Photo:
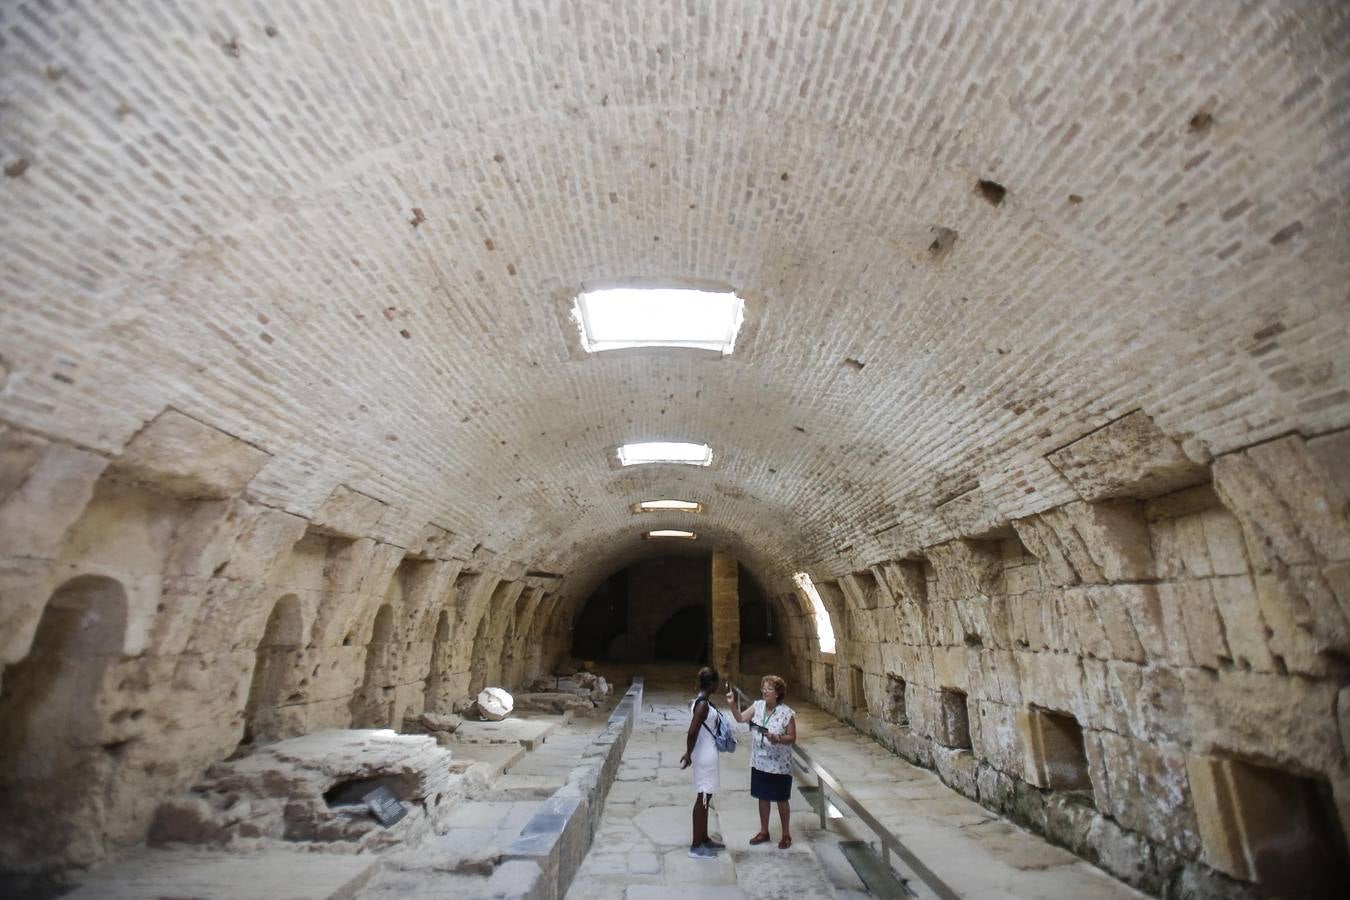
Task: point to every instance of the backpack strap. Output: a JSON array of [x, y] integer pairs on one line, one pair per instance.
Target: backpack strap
[[711, 733]]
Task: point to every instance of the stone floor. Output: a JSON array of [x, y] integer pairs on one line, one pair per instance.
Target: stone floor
[[463, 862], [640, 850]]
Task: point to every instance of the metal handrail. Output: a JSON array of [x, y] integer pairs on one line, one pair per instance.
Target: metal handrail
[[889, 842]]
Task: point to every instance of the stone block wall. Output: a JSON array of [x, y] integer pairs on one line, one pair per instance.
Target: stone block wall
[[726, 616], [1135, 676], [155, 615]]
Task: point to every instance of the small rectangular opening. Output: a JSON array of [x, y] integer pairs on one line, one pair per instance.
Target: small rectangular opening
[[954, 726], [1278, 829], [896, 713], [857, 688], [1060, 758], [829, 680]]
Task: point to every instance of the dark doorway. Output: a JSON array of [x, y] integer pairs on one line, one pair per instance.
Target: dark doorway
[[604, 617], [684, 636]]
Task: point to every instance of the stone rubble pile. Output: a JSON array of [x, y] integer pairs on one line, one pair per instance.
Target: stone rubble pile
[[307, 790]]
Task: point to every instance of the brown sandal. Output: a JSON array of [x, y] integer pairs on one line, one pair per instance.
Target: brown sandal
[[785, 843], [761, 838]]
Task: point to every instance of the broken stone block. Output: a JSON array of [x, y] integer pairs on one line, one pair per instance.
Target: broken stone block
[[494, 704], [1130, 457], [188, 458], [432, 723], [553, 702]]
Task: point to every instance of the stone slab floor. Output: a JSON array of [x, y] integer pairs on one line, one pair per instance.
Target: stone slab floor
[[640, 848]]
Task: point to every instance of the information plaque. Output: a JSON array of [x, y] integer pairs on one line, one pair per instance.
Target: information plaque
[[386, 808]]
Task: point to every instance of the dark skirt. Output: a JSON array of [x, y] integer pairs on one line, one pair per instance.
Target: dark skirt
[[768, 786]]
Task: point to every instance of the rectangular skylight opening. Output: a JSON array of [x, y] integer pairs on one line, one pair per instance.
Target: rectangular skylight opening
[[688, 506], [676, 533], [620, 318], [665, 452]]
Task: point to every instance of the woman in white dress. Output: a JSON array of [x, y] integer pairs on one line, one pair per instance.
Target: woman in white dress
[[701, 752], [773, 727]]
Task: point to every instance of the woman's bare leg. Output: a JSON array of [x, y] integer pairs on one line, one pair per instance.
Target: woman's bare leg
[[764, 817], [700, 820], [784, 817]]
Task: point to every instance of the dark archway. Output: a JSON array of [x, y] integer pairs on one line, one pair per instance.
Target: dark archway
[[602, 618], [437, 697], [684, 636], [372, 706], [59, 746]]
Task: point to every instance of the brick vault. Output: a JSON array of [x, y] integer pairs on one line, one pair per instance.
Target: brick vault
[[1044, 380]]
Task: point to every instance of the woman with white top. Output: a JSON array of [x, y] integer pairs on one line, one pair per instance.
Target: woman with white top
[[701, 752], [773, 727]]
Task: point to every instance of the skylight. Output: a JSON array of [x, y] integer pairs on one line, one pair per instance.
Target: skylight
[[665, 452], [616, 318], [824, 628], [667, 506], [668, 533]]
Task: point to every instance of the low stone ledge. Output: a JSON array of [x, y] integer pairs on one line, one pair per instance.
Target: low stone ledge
[[557, 838]]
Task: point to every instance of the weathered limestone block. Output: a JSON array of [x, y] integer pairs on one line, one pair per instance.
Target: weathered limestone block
[[906, 580], [44, 489], [1089, 636], [1144, 606], [998, 676], [265, 541], [1040, 540], [1109, 689], [1130, 457], [957, 769], [1195, 631], [182, 456], [1053, 681], [1125, 855], [1282, 718], [1243, 627], [1122, 641], [1071, 544], [1290, 637], [1115, 536], [971, 513], [994, 736], [350, 513]]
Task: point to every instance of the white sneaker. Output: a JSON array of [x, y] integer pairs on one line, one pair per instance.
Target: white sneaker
[[701, 852]]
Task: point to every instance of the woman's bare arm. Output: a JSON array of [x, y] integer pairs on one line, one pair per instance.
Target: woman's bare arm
[[735, 707]]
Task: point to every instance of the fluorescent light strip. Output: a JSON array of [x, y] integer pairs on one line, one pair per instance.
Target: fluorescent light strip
[[620, 318], [665, 452]]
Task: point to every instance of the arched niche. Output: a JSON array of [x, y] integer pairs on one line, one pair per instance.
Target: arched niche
[[372, 705], [277, 683], [60, 748], [437, 697]]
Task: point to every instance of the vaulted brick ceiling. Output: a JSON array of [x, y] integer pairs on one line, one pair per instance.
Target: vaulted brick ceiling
[[348, 233]]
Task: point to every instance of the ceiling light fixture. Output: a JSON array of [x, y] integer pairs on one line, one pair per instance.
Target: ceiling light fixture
[[668, 533]]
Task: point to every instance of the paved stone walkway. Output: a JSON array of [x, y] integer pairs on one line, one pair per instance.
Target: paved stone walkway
[[640, 849]]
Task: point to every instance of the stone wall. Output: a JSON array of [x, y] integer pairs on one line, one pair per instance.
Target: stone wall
[[154, 616], [1145, 676]]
